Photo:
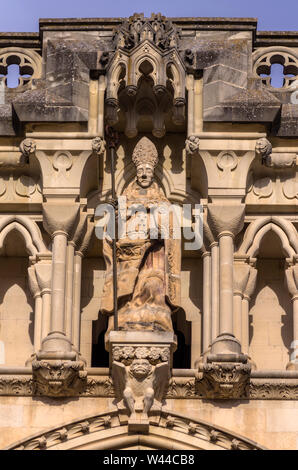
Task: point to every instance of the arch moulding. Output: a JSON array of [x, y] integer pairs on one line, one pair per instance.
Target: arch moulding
[[109, 431]]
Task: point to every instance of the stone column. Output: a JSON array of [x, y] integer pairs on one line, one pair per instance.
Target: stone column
[[76, 326], [82, 243], [292, 284], [241, 274], [196, 330], [69, 288], [206, 301], [190, 104], [248, 291], [60, 217], [225, 372], [226, 254], [35, 290], [214, 291], [43, 271], [57, 371], [226, 221]]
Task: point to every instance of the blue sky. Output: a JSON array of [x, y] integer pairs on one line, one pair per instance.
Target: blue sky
[[23, 15]]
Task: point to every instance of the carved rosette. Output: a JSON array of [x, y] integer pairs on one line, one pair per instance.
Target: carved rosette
[[154, 354], [58, 378], [223, 380]]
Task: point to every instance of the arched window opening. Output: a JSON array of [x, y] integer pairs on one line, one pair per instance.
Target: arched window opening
[[271, 322]]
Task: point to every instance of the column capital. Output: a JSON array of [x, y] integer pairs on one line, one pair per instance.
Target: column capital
[[226, 218]]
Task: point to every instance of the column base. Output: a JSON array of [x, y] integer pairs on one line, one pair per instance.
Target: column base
[[292, 365], [58, 370], [225, 372]]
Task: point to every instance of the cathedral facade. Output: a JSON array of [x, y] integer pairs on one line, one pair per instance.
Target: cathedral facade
[[148, 235]]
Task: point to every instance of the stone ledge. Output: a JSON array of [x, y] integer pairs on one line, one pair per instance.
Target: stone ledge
[[180, 386]]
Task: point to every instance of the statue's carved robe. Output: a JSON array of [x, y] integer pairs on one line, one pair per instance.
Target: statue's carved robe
[[148, 271]]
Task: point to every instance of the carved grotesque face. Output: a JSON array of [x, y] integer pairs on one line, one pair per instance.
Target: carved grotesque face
[[145, 173], [140, 368], [263, 147]]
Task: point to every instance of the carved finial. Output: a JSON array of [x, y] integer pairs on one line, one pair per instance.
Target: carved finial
[[145, 152], [27, 147], [98, 145], [192, 144]]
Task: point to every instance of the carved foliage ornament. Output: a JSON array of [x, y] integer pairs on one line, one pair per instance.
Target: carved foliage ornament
[[223, 380], [58, 378], [127, 354]]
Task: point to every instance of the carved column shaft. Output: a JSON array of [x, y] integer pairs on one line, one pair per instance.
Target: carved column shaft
[[214, 291], [295, 324], [58, 281], [76, 327], [198, 105], [226, 253], [196, 346], [245, 324], [206, 301], [237, 315], [46, 312], [35, 290], [190, 117], [37, 322], [69, 289]]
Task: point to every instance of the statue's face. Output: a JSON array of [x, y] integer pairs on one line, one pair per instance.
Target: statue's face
[[140, 368], [145, 173]]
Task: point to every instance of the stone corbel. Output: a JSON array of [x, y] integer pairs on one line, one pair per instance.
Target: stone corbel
[[274, 160], [140, 363], [223, 380], [56, 378]]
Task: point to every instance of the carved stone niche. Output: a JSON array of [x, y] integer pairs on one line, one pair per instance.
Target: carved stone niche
[[140, 364], [146, 76], [223, 380], [57, 378]]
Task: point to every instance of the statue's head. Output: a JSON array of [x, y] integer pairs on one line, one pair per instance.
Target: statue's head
[[140, 368], [145, 158], [145, 174]]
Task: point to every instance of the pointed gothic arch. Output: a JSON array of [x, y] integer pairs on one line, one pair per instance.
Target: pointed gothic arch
[[109, 431]]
